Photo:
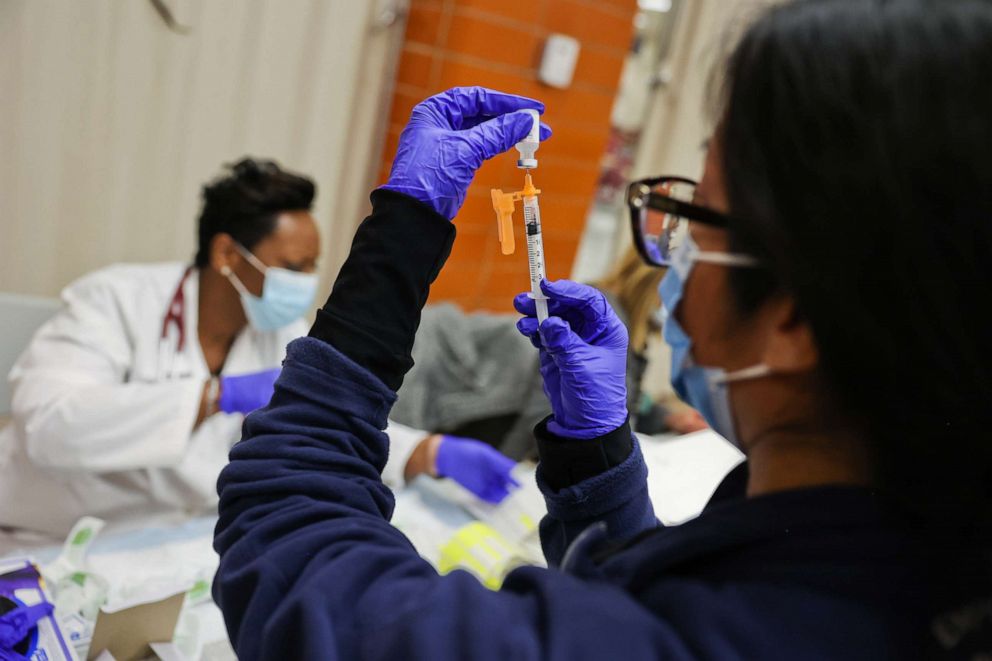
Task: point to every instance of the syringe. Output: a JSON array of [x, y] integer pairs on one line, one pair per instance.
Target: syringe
[[503, 204], [535, 248]]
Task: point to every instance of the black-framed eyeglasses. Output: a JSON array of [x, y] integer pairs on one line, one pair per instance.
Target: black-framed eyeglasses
[[660, 211]]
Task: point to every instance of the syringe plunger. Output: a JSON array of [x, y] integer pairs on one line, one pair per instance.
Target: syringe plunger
[[542, 309]]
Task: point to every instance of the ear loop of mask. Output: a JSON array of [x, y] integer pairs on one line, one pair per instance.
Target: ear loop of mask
[[235, 281], [704, 388], [254, 261], [733, 260], [746, 374]]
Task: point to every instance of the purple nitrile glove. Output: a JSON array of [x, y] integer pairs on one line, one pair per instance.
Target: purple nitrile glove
[[449, 136], [15, 625], [478, 467], [245, 393], [583, 358]]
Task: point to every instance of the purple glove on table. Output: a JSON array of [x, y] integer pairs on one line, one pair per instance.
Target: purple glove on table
[[448, 138], [16, 624], [478, 467], [583, 358], [245, 393]]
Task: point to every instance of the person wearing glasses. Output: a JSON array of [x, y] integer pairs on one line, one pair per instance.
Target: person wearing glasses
[[825, 303]]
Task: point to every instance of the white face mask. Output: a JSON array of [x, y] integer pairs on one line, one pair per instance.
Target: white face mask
[[703, 388], [286, 295]]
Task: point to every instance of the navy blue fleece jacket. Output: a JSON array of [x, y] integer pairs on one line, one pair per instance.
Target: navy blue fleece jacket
[[311, 568]]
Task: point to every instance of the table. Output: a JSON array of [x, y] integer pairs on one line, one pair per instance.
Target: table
[[683, 472]]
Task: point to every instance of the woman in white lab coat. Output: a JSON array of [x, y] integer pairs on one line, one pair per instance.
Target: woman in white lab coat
[[128, 400], [126, 403]]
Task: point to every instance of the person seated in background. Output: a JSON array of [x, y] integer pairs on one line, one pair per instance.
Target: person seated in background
[[475, 375], [127, 402]]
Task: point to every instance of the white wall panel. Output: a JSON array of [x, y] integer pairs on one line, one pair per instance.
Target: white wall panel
[[110, 122]]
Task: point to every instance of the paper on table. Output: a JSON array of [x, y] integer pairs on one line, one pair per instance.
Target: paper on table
[[516, 517], [427, 518], [143, 574], [683, 471], [168, 652]]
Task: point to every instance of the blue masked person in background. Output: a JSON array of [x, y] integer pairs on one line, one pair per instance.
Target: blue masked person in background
[[127, 402]]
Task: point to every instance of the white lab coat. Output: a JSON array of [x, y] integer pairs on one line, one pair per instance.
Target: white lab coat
[[104, 408]]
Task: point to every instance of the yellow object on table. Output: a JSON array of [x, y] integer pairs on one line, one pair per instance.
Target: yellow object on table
[[480, 550]]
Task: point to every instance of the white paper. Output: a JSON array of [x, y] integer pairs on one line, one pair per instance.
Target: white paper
[[683, 471]]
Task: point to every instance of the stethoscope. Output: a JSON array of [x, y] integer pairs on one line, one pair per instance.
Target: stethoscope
[[175, 315]]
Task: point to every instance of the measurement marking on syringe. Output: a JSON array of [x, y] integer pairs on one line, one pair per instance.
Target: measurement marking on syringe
[[535, 267]]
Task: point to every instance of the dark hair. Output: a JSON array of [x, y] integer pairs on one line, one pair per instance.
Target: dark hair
[[856, 139], [246, 201]]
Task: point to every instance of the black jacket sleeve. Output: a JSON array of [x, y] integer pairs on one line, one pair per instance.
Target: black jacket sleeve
[[567, 461], [373, 311]]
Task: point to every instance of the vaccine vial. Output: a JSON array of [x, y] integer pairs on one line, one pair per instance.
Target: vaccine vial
[[528, 146]]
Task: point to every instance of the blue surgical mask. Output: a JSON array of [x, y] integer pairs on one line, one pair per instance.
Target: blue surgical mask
[[286, 295], [703, 388]]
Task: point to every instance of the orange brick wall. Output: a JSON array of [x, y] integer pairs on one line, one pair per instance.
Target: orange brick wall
[[497, 43]]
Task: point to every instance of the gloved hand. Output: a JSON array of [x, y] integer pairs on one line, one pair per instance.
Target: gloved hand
[[478, 467], [16, 624], [245, 393], [583, 358], [449, 136]]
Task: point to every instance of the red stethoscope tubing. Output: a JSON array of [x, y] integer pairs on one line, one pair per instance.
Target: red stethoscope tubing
[[176, 312]]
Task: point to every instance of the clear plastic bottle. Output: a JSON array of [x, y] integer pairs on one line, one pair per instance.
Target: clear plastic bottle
[[528, 146]]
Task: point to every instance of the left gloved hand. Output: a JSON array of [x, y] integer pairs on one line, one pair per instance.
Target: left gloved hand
[[478, 467], [15, 625], [448, 138], [583, 358], [245, 393]]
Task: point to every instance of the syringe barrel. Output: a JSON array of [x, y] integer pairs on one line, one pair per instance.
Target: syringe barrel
[[535, 241], [535, 254]]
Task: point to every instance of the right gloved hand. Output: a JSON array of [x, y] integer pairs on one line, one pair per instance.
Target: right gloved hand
[[583, 358], [245, 393], [449, 136]]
